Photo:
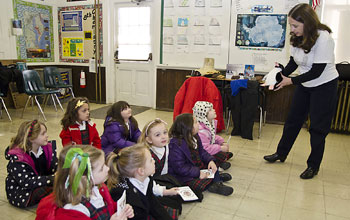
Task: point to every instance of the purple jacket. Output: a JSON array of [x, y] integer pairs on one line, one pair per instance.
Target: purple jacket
[[180, 162], [113, 136]]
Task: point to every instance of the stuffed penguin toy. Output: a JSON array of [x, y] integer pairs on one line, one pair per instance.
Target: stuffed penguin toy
[[273, 77]]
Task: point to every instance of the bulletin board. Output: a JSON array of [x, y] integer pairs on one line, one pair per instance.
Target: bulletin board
[[36, 43], [259, 32], [194, 30], [77, 33]]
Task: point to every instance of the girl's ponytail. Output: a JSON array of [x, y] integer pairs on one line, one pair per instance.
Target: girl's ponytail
[[113, 173]]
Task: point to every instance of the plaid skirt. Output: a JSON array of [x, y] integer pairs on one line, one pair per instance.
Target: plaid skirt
[[199, 184], [174, 213], [221, 157]]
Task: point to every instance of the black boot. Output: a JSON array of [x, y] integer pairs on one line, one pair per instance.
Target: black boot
[[274, 157], [309, 173]]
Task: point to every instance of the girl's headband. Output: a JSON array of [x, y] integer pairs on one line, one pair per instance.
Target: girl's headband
[[31, 127], [154, 121], [79, 103], [84, 163]]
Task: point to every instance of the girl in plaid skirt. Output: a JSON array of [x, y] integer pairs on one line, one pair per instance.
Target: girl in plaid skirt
[[79, 189], [212, 143], [131, 171], [188, 159]]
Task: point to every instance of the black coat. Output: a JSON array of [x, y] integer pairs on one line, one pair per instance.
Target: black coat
[[133, 197]]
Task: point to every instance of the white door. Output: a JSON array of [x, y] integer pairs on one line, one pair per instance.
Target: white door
[[7, 40], [134, 74]]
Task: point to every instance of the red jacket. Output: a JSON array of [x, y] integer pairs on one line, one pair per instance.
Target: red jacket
[[72, 135], [48, 210], [199, 89]]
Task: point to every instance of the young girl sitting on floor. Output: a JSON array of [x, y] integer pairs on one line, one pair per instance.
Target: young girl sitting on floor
[[120, 128], [131, 170], [79, 190], [155, 136], [77, 126], [32, 164], [212, 143], [187, 158]]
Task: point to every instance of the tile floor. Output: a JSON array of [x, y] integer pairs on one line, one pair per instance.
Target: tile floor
[[262, 190]]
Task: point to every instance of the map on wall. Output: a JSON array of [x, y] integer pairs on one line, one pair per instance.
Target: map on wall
[[261, 30], [36, 43]]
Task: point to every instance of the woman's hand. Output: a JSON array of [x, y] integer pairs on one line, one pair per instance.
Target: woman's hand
[[286, 81], [212, 166], [128, 212]]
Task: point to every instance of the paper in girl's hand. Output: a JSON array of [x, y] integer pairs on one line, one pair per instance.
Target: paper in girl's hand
[[121, 203], [186, 193], [209, 172]]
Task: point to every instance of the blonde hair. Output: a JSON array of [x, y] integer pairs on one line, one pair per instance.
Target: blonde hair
[[146, 130], [125, 163], [27, 132], [65, 195]]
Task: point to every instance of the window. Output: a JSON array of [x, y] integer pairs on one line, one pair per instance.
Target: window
[[336, 14], [134, 34]]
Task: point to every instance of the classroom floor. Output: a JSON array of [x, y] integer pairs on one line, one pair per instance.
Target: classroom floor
[[262, 190]]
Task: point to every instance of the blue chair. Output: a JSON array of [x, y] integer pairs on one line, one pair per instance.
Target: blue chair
[[4, 106], [53, 79], [33, 87]]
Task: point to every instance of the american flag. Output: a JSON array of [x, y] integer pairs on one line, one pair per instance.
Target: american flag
[[315, 3]]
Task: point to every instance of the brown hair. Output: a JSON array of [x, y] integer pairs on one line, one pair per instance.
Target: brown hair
[[114, 114], [71, 114], [27, 132], [304, 13], [182, 128], [125, 163], [65, 195], [146, 130]]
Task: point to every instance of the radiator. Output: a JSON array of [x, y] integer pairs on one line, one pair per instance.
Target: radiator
[[341, 119]]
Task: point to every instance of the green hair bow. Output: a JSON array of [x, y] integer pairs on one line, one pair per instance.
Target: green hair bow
[[84, 163]]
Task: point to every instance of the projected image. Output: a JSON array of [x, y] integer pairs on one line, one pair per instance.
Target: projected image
[[261, 30]]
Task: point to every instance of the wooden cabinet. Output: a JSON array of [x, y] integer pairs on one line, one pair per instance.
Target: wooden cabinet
[[278, 104], [169, 82]]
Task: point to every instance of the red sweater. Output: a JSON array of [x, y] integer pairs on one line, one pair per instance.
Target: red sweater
[[199, 89], [72, 135], [48, 210]]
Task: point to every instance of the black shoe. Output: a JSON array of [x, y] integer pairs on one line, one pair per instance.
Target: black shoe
[[225, 165], [309, 173], [274, 157], [220, 188], [224, 177], [229, 155]]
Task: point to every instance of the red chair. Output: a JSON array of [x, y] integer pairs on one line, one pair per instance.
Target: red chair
[[199, 89]]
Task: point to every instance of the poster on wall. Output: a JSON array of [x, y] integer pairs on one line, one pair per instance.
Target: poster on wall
[[36, 43], [77, 37], [261, 30], [72, 21]]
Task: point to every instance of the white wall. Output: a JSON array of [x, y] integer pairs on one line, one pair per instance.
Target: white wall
[[8, 42]]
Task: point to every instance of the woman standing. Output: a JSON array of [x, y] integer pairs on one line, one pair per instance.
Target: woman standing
[[312, 51]]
